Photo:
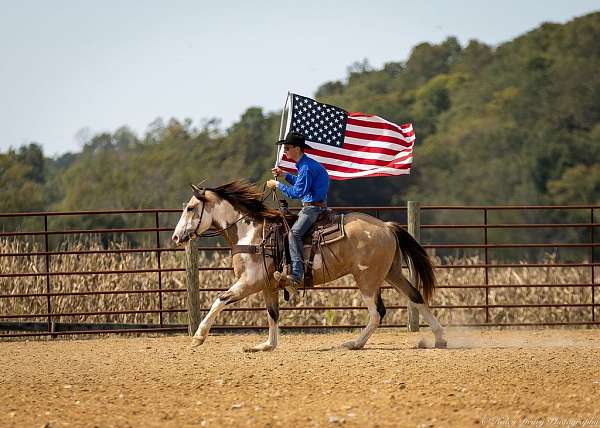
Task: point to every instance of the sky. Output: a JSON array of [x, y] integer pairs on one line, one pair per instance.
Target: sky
[[71, 69]]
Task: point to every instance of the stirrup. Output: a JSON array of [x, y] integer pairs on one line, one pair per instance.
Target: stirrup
[[290, 286]]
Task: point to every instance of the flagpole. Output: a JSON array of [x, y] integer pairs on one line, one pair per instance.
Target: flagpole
[[281, 130]]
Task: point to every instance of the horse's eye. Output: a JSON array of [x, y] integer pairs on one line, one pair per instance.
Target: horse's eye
[[190, 209]]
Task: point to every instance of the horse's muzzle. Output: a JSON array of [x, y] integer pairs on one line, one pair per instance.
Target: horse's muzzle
[[180, 240]]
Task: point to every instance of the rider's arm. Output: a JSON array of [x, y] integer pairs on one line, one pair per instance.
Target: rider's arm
[[301, 185], [290, 178]]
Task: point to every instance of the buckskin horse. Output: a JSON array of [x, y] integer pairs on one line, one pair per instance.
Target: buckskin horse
[[372, 251]]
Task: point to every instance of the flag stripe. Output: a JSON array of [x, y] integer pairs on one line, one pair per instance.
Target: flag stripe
[[385, 132], [374, 173], [347, 176], [351, 159], [373, 146], [372, 137], [360, 151], [378, 125], [349, 166], [372, 118], [335, 168], [358, 114], [405, 128]]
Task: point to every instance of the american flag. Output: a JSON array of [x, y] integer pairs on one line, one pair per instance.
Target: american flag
[[349, 145]]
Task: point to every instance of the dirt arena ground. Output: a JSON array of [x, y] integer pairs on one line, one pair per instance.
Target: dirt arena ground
[[486, 378]]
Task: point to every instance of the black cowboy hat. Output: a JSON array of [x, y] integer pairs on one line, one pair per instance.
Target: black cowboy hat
[[294, 139]]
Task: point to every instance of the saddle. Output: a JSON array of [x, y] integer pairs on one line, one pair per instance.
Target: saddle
[[328, 228]]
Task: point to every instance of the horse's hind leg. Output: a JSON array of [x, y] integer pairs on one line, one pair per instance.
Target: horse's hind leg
[[402, 285], [271, 297]]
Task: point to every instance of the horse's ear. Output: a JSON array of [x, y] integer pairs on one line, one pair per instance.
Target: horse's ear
[[198, 192]]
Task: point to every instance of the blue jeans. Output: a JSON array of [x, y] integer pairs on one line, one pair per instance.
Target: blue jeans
[[306, 218]]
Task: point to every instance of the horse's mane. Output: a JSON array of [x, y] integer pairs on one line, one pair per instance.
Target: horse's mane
[[246, 197]]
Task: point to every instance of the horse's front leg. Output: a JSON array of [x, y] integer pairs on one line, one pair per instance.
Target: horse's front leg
[[271, 297], [236, 292]]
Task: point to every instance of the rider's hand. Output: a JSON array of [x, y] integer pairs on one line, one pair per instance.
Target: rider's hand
[[272, 184], [277, 171]]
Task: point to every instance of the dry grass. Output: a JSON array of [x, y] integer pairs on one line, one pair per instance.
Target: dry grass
[[515, 277]]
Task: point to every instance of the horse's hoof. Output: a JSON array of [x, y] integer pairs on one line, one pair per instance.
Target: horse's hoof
[[263, 347], [353, 346], [422, 344], [441, 343], [197, 341]]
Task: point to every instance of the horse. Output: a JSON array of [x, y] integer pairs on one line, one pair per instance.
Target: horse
[[372, 251]]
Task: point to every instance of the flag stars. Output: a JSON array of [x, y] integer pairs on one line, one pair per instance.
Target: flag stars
[[320, 123]]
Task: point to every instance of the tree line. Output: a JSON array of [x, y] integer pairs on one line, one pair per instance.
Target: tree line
[[517, 123]]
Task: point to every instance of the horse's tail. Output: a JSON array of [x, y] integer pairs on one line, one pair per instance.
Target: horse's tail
[[416, 257]]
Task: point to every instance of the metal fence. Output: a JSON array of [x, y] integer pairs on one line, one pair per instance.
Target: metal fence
[[47, 266]]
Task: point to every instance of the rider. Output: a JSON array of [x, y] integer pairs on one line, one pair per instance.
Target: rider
[[310, 185]]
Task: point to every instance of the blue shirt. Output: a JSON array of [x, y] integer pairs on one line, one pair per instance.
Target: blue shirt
[[311, 183]]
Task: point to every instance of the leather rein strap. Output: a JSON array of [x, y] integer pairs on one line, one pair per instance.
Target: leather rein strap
[[248, 249], [253, 248]]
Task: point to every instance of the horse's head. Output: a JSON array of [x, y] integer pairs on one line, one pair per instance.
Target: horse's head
[[196, 217]]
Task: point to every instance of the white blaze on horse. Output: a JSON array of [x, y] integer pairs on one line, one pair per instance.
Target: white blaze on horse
[[372, 252]]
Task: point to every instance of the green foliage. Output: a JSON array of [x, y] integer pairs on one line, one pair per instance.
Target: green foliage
[[517, 123], [578, 184], [21, 179]]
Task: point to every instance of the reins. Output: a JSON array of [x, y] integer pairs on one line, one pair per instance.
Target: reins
[[218, 232], [285, 223]]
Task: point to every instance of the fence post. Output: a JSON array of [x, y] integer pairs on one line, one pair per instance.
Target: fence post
[[486, 271], [193, 286], [414, 228], [48, 304], [158, 248], [592, 263]]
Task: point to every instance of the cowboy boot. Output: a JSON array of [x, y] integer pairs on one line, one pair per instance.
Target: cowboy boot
[[290, 284]]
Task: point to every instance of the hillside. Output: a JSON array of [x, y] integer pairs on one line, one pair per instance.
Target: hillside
[[514, 123]]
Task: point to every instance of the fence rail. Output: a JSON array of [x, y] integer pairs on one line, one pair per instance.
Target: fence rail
[[47, 257]]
